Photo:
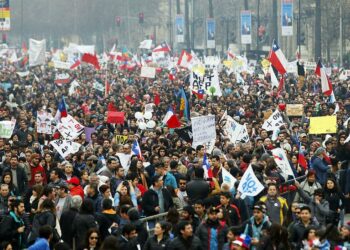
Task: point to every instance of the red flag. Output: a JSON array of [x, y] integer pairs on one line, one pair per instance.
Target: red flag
[[111, 107], [156, 99], [184, 59], [277, 59], [173, 122], [115, 117], [91, 59], [199, 94], [163, 47], [326, 84], [302, 161], [75, 64], [129, 99]]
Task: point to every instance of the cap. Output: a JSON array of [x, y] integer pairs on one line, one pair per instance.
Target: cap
[[260, 207], [212, 210], [302, 135], [74, 180], [243, 240]]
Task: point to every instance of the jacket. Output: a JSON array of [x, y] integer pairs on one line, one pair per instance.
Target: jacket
[[22, 179], [105, 220], [297, 233], [179, 243], [40, 244], [321, 170], [205, 234], [231, 212], [81, 224], [8, 231], [150, 201], [254, 230], [77, 190], [276, 208], [308, 189], [320, 211], [41, 219], [66, 220], [153, 244], [197, 189]]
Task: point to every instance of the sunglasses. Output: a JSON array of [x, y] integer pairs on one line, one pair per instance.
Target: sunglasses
[[93, 238]]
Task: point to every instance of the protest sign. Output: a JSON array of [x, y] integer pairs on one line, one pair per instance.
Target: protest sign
[[282, 161], [310, 65], [65, 147], [295, 109], [121, 139], [6, 128], [43, 121], [273, 122], [62, 65], [203, 129], [228, 178], [209, 83], [249, 184], [323, 125], [209, 145], [148, 72], [63, 78], [88, 131], [69, 128], [36, 52]]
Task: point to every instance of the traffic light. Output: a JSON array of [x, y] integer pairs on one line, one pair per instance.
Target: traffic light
[[118, 20], [141, 17]]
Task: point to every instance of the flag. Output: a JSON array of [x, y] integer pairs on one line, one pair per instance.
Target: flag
[[145, 44], [228, 178], [280, 86], [63, 78], [75, 64], [326, 84], [163, 47], [184, 106], [184, 59], [172, 73], [156, 100], [136, 149], [277, 59], [91, 59], [199, 94], [301, 159], [62, 109], [282, 161], [185, 133], [208, 173], [249, 184], [107, 87], [115, 117], [273, 76], [171, 120], [129, 99], [230, 55]]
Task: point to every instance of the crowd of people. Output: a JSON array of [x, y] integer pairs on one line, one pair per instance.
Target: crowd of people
[[97, 197]]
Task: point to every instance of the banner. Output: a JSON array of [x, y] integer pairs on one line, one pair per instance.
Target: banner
[[44, 122], [233, 130], [209, 83], [61, 65], [179, 28], [63, 78], [282, 161], [287, 17], [69, 128], [246, 27], [5, 15], [323, 125], [249, 184], [65, 147], [210, 33], [121, 139], [294, 109], [228, 178], [6, 128], [274, 122], [148, 72], [203, 129], [36, 52]]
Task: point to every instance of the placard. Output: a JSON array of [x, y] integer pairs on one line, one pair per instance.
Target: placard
[[295, 109], [323, 125], [203, 129], [148, 72]]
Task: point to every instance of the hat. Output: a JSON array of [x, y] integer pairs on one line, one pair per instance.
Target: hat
[[302, 135], [74, 180], [212, 210], [243, 240], [92, 158], [260, 207], [319, 151]]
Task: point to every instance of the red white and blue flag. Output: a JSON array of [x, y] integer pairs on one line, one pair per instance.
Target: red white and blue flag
[[301, 159], [163, 47], [61, 110], [136, 149], [277, 59], [171, 120], [326, 84], [208, 173]]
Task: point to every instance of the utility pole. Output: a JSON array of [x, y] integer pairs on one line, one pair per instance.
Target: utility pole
[[299, 28], [318, 37], [340, 34]]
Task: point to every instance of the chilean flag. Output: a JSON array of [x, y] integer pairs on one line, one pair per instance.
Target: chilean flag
[[326, 84], [199, 94], [136, 149], [171, 120], [277, 59], [208, 173], [184, 59], [61, 110], [163, 47], [301, 159]]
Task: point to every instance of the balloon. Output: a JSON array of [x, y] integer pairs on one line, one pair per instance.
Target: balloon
[[142, 125], [148, 115], [138, 115], [282, 106], [151, 124]]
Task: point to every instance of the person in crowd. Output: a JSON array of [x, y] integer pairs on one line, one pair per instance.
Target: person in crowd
[[75, 188], [336, 201], [320, 166], [230, 211], [160, 240], [63, 200], [108, 220], [128, 238], [19, 177], [198, 188], [7, 179], [94, 195], [185, 239], [92, 241], [43, 241], [125, 194], [276, 238], [308, 186], [168, 178]]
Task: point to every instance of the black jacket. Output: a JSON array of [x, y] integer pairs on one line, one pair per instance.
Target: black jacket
[[203, 232], [197, 189], [105, 221], [41, 219], [66, 220], [124, 244], [81, 224], [8, 231], [180, 243], [150, 201], [153, 244]]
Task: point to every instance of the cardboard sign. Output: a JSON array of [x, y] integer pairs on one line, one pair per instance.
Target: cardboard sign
[[323, 125], [148, 72], [121, 139], [295, 109]]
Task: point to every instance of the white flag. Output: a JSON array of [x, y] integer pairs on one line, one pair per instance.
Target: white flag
[[273, 122], [282, 161], [274, 81], [249, 184], [146, 44], [36, 52], [228, 178], [65, 147]]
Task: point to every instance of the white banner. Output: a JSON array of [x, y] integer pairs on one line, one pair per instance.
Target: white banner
[[233, 130], [69, 128], [6, 128], [228, 178], [36, 52], [149, 72], [203, 129], [146, 44], [44, 123], [282, 161], [209, 83], [62, 65], [249, 184], [65, 147], [273, 122]]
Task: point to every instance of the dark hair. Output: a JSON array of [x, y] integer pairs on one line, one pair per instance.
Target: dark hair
[[305, 208], [171, 191], [199, 202], [183, 224], [103, 188], [5, 244], [216, 157], [307, 231], [88, 234], [61, 246], [48, 205], [124, 209], [236, 230], [47, 190], [132, 176], [159, 165], [107, 204], [199, 173], [87, 207], [199, 147], [45, 231], [173, 164], [110, 243], [226, 194], [128, 228]]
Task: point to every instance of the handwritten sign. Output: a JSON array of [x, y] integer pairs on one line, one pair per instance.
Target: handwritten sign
[[209, 83], [203, 129], [294, 109]]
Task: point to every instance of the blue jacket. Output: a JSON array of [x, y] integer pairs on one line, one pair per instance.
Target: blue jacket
[[321, 170], [40, 244]]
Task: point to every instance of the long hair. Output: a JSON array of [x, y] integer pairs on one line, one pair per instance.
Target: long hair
[[88, 234]]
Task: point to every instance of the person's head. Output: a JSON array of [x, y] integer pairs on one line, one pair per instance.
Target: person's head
[[4, 190], [54, 174], [62, 190], [182, 183], [35, 159], [215, 160], [17, 206], [187, 213], [93, 238], [7, 178], [225, 198], [76, 202], [331, 184], [46, 232], [112, 163], [129, 231], [199, 207], [47, 205], [311, 176], [185, 229], [87, 207], [242, 242], [6, 245], [310, 233], [123, 211], [105, 191], [49, 192], [345, 231], [68, 168], [38, 177], [61, 246], [233, 232], [14, 161], [157, 181], [259, 211], [213, 213], [305, 214], [160, 168], [120, 172], [272, 189], [107, 204], [199, 173], [200, 149], [160, 228], [319, 193], [92, 190], [110, 243]]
